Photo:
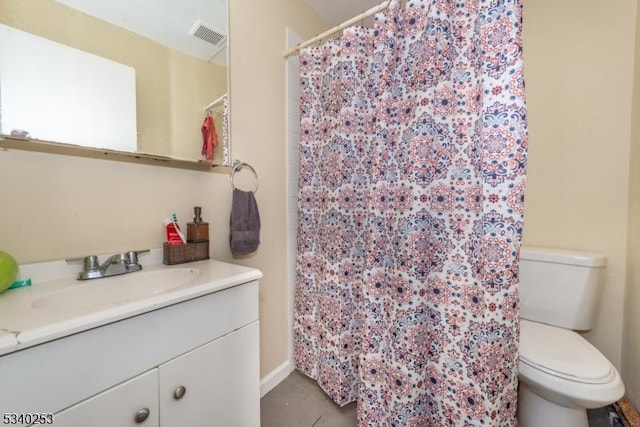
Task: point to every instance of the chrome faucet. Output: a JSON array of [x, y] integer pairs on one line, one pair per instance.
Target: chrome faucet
[[126, 262]]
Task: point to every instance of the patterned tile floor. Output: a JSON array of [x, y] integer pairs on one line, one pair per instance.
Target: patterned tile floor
[[299, 402]]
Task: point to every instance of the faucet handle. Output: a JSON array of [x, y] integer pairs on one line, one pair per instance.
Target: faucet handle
[[131, 257], [131, 260], [89, 262], [90, 267]]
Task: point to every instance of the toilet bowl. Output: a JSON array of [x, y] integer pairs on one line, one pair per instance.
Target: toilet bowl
[[561, 374]]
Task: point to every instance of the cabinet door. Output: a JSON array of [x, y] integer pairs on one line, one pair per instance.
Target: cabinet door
[[216, 385], [124, 405]]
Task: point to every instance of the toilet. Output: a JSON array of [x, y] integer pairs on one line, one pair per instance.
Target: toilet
[[561, 374]]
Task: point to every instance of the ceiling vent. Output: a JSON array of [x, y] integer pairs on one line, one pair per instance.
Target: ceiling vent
[[208, 34]]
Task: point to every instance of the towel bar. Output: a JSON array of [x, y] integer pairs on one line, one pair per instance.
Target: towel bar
[[237, 166]]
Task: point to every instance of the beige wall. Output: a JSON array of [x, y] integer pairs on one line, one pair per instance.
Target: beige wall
[[631, 335], [579, 74], [258, 40]]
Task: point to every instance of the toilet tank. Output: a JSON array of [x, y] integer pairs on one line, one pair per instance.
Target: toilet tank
[[560, 287]]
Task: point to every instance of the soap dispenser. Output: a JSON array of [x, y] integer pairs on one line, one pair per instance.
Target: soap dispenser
[[197, 231]]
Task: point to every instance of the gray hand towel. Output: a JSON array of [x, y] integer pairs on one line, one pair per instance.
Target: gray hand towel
[[245, 223]]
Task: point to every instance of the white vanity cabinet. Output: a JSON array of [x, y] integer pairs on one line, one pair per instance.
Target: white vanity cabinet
[[213, 385], [133, 403], [190, 364], [221, 393]]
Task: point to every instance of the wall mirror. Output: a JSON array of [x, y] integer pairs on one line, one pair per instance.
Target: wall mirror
[[144, 79]]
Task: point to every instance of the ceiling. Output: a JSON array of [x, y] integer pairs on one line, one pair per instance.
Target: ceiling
[[168, 22], [338, 11]]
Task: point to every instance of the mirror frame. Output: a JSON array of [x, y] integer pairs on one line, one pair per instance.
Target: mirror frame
[[60, 148]]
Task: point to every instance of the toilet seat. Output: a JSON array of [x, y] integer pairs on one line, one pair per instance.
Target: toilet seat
[[562, 353]]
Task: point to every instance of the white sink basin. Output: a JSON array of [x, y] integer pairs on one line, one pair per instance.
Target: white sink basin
[[116, 290], [57, 305]]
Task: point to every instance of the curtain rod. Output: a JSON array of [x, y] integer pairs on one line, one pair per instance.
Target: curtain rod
[[363, 15]]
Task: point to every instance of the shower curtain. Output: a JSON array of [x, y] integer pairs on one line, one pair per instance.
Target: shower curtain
[[412, 170]]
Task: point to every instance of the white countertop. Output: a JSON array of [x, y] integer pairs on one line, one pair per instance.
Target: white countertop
[[24, 325]]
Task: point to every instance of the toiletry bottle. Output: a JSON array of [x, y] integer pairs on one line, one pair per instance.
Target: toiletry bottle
[[197, 231], [173, 237]]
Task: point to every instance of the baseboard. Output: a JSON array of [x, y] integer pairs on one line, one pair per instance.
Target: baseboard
[[628, 412], [276, 376]]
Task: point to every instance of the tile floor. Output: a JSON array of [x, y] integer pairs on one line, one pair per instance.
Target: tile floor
[[299, 402]]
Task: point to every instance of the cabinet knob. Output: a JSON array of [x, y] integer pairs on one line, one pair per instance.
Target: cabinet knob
[[179, 393], [142, 415]]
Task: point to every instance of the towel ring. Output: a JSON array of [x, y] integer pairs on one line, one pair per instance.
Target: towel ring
[[237, 166]]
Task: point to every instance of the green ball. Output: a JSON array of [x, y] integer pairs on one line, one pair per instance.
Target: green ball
[[8, 270]]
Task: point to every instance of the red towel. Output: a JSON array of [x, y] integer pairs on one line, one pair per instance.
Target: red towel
[[209, 137]]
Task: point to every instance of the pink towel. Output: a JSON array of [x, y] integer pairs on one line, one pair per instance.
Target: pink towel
[[209, 137]]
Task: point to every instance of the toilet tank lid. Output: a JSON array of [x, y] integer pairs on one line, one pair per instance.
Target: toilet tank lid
[[562, 256]]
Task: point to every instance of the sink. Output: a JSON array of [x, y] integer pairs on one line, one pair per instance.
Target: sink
[[116, 290]]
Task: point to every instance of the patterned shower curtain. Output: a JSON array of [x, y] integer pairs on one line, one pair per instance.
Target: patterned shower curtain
[[412, 171]]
